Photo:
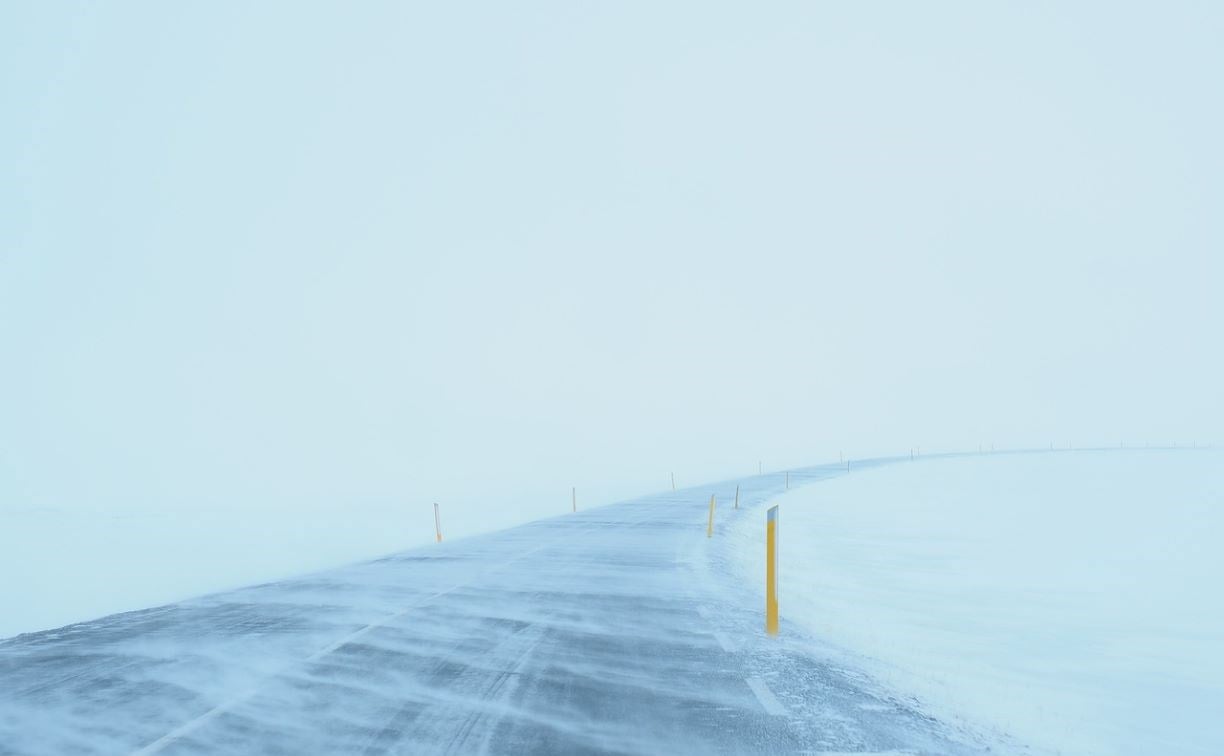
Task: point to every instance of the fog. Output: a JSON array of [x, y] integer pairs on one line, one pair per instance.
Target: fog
[[288, 258]]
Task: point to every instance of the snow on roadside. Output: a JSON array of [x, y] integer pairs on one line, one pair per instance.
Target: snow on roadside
[[61, 567], [1068, 599]]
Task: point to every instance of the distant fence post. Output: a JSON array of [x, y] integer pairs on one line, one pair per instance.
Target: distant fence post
[[771, 571], [437, 523], [710, 525]]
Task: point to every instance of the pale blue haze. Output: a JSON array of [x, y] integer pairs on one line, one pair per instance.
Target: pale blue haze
[[306, 255]]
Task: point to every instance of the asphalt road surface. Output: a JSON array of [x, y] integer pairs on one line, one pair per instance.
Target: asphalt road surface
[[621, 629]]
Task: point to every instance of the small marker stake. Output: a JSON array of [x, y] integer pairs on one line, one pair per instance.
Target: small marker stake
[[771, 571], [710, 525], [673, 477], [574, 497], [437, 523], [788, 480], [737, 496]]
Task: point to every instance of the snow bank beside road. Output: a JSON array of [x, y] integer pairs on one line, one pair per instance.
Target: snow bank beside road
[[1069, 599], [61, 567]]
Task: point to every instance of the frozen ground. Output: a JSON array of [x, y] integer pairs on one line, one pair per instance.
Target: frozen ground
[[622, 629], [1070, 599], [70, 564]]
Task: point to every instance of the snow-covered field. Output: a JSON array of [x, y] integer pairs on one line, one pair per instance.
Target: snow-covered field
[[1070, 600], [65, 565]]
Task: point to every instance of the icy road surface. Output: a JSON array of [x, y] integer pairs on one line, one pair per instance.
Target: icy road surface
[[619, 629]]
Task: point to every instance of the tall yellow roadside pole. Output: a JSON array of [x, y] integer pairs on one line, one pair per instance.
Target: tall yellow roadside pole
[[771, 571], [710, 526], [437, 523]]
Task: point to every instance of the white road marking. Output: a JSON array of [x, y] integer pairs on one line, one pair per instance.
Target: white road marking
[[769, 702], [724, 641], [863, 753], [194, 724]]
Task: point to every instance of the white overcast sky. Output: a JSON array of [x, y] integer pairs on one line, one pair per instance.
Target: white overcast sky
[[343, 254]]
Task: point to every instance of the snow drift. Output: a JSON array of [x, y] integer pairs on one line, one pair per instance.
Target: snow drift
[[1069, 599]]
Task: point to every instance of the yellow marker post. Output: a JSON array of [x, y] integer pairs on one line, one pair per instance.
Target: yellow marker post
[[574, 498], [437, 523], [710, 526], [737, 496], [771, 571]]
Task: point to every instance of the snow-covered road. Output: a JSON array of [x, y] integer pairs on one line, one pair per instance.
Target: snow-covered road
[[618, 629]]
